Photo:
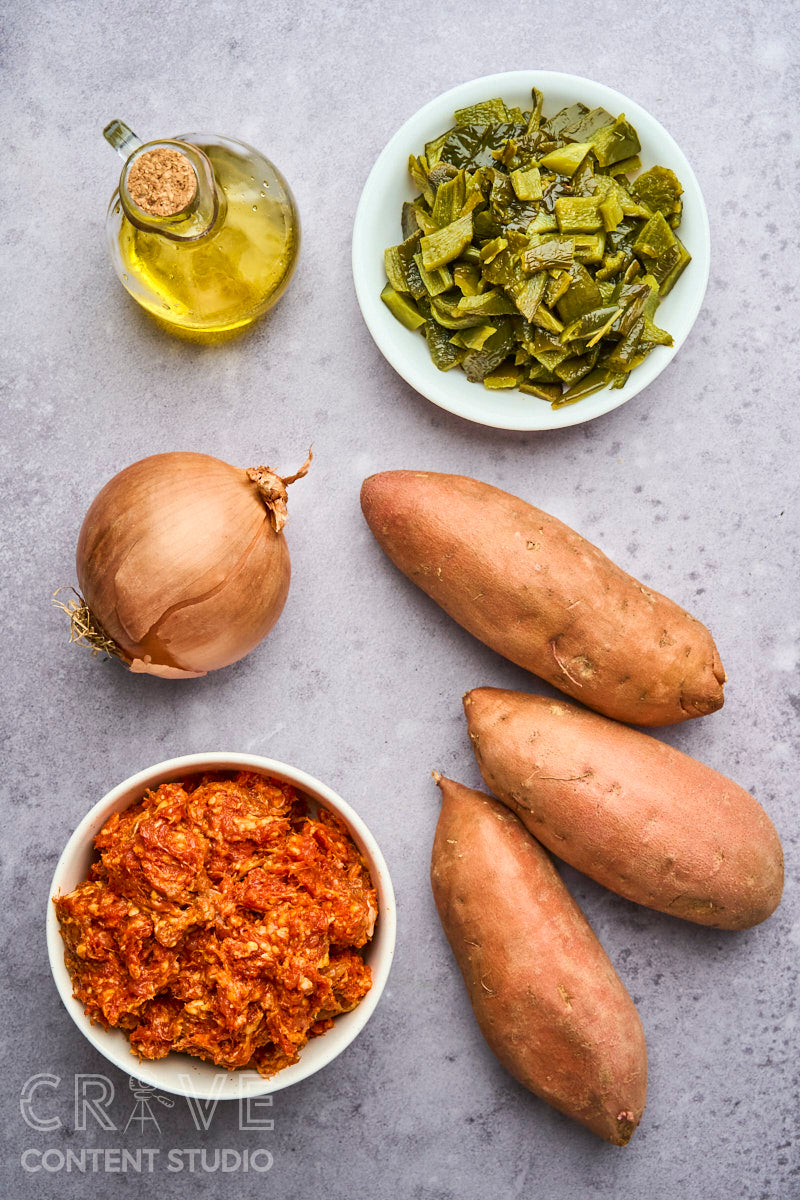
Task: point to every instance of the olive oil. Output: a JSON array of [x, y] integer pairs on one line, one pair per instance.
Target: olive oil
[[219, 263]]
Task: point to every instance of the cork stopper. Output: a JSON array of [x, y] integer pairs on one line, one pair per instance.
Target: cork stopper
[[162, 182]]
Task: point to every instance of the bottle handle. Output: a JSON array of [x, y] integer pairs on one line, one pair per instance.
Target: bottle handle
[[122, 138]]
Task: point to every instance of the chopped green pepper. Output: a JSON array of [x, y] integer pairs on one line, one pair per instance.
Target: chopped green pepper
[[527, 293], [449, 201], [565, 118], [434, 282], [489, 304], [446, 244], [490, 250], [611, 143], [592, 324], [527, 183], [578, 214], [670, 268], [545, 391], [528, 255], [506, 376], [418, 170], [473, 339], [573, 369], [581, 296], [468, 278], [587, 124], [544, 318], [472, 145], [535, 117], [660, 189], [478, 363], [594, 381], [487, 112], [401, 269], [626, 166], [566, 160], [444, 309], [408, 222], [655, 240], [444, 354], [549, 255], [589, 247], [611, 213], [556, 287], [401, 307]]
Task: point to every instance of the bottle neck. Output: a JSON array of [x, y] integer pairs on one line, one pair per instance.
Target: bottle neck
[[167, 187]]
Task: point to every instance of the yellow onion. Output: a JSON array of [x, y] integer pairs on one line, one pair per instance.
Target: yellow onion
[[183, 564]]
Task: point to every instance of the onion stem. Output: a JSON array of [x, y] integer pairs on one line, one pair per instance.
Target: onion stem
[[272, 489]]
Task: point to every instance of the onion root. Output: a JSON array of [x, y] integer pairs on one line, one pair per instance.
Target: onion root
[[84, 628]]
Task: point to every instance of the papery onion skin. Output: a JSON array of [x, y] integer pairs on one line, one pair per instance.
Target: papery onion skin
[[180, 563]]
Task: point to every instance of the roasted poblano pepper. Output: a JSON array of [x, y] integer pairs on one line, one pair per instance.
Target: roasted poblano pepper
[[440, 345], [471, 146], [468, 278], [552, 392], [655, 240], [549, 255], [582, 295], [611, 213], [566, 160], [487, 112], [447, 243], [564, 119], [527, 183], [612, 143], [529, 258], [587, 124], [478, 363], [573, 369], [473, 339], [660, 190], [535, 116], [445, 310], [506, 376], [591, 326], [489, 304], [402, 307], [527, 293], [448, 204], [593, 381], [433, 282], [578, 214]]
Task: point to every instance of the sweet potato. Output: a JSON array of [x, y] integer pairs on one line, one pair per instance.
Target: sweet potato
[[537, 592], [638, 816], [543, 990]]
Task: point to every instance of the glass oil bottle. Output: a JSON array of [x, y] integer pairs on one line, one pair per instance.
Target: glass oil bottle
[[203, 230]]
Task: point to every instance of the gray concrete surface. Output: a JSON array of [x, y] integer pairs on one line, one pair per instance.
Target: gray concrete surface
[[692, 487]]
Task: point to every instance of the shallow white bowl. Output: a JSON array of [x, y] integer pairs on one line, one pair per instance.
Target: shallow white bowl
[[183, 1074], [377, 226]]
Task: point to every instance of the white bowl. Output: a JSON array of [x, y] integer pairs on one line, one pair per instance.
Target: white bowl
[[183, 1074], [377, 226]]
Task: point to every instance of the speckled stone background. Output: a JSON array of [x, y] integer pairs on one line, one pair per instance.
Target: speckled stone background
[[692, 487]]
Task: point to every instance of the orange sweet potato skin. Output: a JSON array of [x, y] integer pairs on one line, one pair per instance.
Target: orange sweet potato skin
[[640, 817], [541, 595], [545, 994]]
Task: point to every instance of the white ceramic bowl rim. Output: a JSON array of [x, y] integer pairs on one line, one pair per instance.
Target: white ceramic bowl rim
[[377, 226], [183, 1074]]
